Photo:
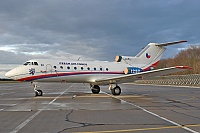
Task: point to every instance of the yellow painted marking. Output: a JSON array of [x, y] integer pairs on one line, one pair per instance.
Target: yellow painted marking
[[186, 99], [143, 129], [9, 82], [192, 98]]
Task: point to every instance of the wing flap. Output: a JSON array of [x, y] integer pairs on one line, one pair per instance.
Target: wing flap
[[142, 75]]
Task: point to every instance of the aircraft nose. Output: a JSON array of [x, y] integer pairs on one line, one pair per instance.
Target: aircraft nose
[[12, 73]]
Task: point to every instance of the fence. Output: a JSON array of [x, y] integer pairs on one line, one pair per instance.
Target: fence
[[181, 80]]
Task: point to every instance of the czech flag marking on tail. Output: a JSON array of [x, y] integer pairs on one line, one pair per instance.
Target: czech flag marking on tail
[[148, 55]]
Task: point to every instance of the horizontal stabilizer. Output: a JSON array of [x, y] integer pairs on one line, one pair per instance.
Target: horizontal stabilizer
[[170, 43]]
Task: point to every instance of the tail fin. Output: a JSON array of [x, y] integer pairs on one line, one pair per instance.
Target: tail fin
[[148, 57]]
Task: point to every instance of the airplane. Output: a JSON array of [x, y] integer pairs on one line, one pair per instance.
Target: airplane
[[124, 69]]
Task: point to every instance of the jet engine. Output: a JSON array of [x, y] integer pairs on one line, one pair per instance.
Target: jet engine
[[132, 70], [120, 58]]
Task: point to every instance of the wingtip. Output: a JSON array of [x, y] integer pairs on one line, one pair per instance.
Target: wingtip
[[183, 67], [182, 41]]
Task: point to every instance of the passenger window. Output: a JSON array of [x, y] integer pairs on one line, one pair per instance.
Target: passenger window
[[106, 69], [75, 68], [68, 67], [101, 69], [81, 68], [95, 68], [54, 67], [88, 68], [61, 67]]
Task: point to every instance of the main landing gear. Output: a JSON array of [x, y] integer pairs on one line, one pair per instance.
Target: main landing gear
[[37, 92], [115, 89], [95, 89]]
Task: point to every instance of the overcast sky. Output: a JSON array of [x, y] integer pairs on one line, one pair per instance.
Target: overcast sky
[[93, 29]]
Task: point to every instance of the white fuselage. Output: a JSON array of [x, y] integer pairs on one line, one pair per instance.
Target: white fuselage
[[88, 71], [95, 72], [66, 71]]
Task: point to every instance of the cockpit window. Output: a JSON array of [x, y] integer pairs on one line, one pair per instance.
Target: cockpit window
[[31, 63], [27, 63], [35, 63]]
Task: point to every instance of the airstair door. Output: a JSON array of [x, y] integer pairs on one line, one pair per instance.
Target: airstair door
[[49, 69]]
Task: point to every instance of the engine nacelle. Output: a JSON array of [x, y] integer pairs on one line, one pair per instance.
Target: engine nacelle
[[120, 58], [132, 70]]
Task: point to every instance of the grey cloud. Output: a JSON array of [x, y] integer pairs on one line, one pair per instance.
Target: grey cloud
[[94, 29]]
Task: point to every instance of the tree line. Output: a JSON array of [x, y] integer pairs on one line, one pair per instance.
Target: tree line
[[187, 57]]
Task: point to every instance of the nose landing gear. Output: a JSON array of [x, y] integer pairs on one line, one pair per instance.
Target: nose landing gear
[[37, 92]]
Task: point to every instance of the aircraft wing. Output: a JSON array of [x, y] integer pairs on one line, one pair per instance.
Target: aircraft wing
[[143, 75]]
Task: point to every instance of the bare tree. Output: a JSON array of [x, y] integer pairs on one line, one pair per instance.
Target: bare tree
[[187, 57]]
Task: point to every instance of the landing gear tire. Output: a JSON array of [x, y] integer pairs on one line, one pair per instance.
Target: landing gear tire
[[38, 93], [116, 90], [95, 89]]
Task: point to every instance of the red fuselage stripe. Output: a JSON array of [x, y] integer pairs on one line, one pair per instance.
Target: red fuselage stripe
[[30, 78]]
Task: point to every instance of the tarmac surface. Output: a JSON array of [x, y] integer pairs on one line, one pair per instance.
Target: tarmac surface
[[67, 107]]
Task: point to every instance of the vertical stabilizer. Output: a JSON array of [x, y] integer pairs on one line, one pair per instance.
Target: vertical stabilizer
[[148, 57]]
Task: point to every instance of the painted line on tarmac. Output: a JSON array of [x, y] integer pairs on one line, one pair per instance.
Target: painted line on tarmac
[[2, 109], [178, 86], [37, 113], [8, 104], [154, 114], [7, 93], [143, 129]]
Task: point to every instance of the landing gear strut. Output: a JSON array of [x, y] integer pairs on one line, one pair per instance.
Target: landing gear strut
[[95, 89], [37, 92]]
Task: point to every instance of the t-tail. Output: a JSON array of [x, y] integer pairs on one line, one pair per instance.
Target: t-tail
[[148, 57]]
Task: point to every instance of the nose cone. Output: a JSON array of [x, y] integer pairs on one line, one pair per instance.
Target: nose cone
[[12, 74], [8, 74]]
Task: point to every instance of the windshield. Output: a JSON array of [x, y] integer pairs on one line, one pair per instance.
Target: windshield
[[31, 63], [27, 63], [35, 63]]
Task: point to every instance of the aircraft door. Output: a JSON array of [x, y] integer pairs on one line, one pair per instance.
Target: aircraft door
[[49, 68]]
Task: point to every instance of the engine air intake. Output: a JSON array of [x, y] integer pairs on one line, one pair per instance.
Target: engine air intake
[[132, 70]]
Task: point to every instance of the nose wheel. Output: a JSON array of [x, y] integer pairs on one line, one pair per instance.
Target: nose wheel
[[38, 93]]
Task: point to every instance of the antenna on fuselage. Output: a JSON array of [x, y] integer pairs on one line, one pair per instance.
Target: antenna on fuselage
[[79, 58]]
